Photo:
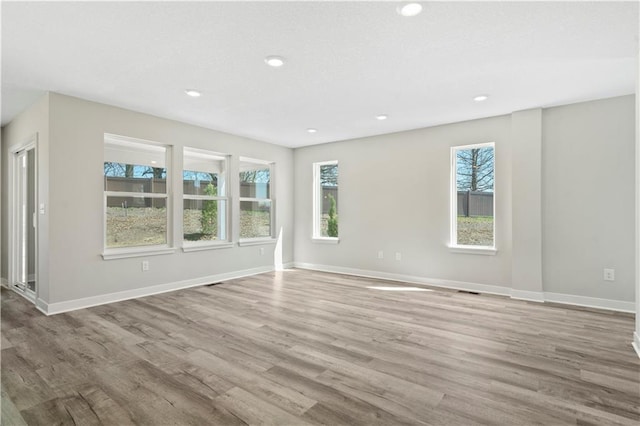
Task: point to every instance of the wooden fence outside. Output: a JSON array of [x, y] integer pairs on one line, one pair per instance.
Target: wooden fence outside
[[471, 203]]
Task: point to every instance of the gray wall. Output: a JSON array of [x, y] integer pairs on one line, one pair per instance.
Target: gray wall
[[394, 197], [75, 204], [587, 149]]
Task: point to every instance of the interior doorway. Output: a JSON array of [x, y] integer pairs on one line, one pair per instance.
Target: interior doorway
[[24, 222]]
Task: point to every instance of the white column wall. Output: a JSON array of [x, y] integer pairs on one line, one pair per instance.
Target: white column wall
[[526, 187]]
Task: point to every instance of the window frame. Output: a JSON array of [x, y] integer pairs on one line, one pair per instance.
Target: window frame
[[244, 241], [110, 253], [188, 246], [453, 194], [317, 203]]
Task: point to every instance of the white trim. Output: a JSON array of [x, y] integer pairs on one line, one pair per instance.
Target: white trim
[[87, 302], [257, 241], [255, 161], [270, 165], [592, 302], [636, 343], [4, 282], [124, 194], [255, 200], [203, 197], [29, 296], [482, 250], [533, 296], [145, 147], [453, 195], [137, 252], [317, 203], [42, 306], [325, 240], [121, 140], [202, 247], [433, 282]]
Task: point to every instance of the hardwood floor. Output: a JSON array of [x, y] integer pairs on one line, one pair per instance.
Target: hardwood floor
[[301, 347]]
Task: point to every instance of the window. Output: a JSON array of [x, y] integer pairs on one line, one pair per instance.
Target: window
[[472, 197], [325, 200], [204, 183], [136, 194], [256, 202]]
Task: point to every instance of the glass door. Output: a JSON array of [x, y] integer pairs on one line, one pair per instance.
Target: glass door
[[24, 277]]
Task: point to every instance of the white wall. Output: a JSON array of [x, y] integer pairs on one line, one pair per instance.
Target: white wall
[[394, 197], [589, 198], [526, 206], [77, 269]]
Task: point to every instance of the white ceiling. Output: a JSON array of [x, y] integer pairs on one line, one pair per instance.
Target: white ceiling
[[346, 61]]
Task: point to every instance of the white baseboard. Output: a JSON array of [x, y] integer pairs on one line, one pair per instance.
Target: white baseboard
[[71, 305], [636, 343], [567, 299], [533, 296], [87, 302], [590, 302], [42, 306], [457, 285], [4, 282]]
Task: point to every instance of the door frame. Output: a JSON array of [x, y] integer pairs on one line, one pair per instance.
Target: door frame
[[27, 145]]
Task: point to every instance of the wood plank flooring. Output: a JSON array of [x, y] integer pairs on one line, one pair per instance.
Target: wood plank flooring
[[301, 347]]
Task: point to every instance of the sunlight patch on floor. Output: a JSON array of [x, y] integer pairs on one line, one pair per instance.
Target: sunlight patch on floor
[[399, 288]]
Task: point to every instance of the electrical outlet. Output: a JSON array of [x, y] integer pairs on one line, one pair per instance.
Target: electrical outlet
[[398, 256], [262, 250], [380, 254], [145, 265], [609, 274]]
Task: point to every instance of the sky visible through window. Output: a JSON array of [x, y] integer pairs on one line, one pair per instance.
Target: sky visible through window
[[474, 169]]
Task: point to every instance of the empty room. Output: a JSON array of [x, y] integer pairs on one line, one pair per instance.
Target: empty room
[[309, 212]]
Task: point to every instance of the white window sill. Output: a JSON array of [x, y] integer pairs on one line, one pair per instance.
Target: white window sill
[[256, 241], [202, 247], [325, 240], [485, 251], [136, 252]]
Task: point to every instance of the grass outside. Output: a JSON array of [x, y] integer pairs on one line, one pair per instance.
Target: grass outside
[[136, 226], [143, 226], [148, 226], [475, 231]]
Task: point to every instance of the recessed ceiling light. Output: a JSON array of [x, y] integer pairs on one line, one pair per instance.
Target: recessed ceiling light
[[193, 93], [274, 61], [481, 98], [382, 117], [312, 130], [410, 9], [154, 162]]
